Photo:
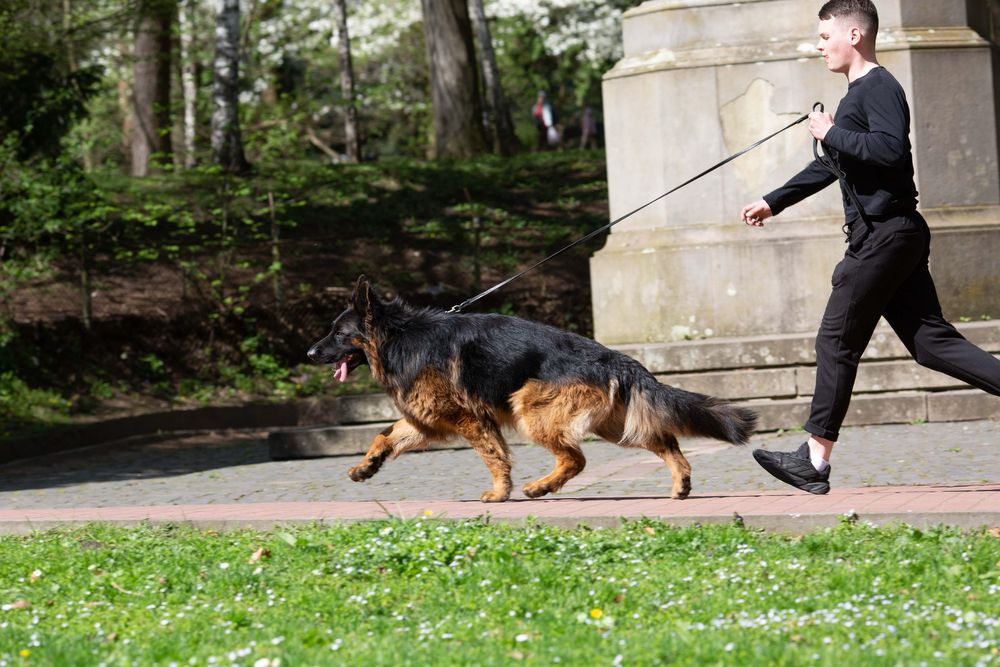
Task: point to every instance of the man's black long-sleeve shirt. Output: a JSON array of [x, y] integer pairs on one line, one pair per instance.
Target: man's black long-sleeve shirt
[[870, 142]]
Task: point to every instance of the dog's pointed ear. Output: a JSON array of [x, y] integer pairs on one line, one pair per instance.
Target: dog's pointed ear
[[364, 302]]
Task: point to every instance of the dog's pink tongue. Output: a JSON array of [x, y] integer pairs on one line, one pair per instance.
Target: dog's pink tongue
[[341, 372]]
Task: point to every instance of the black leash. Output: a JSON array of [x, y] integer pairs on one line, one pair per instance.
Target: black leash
[[842, 177], [467, 302]]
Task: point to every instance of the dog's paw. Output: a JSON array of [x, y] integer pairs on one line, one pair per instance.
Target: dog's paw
[[683, 490], [494, 497], [361, 472], [536, 490]]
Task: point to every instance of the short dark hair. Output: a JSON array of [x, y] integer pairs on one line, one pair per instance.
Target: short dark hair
[[862, 10]]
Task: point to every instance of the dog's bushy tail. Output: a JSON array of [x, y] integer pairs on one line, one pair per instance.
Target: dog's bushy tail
[[656, 409]]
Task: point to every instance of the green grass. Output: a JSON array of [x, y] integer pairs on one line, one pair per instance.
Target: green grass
[[427, 592]]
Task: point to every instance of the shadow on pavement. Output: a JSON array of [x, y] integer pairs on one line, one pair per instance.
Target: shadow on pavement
[[135, 461]]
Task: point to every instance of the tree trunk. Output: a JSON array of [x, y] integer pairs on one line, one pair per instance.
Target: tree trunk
[[351, 136], [188, 87], [458, 128], [497, 111], [151, 86], [227, 145], [125, 106]]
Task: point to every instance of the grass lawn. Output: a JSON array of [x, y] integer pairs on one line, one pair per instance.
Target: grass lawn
[[437, 593]]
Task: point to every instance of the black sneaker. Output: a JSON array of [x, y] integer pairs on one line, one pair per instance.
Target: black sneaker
[[795, 468]]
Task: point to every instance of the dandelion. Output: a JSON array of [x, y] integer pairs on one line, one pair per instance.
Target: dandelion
[[25, 653], [596, 613]]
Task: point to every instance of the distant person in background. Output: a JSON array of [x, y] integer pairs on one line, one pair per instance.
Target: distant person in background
[[545, 123], [588, 128]]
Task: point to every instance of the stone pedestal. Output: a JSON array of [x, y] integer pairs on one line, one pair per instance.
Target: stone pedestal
[[702, 79]]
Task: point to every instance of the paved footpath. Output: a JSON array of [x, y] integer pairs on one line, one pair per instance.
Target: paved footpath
[[921, 474]]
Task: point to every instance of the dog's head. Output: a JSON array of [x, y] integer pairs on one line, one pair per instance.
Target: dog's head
[[343, 348]]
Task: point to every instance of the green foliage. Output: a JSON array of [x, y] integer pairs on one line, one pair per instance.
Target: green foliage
[[22, 407], [413, 225], [42, 92], [430, 592]]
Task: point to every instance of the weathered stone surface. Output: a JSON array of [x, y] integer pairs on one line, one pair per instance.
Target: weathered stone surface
[[738, 384], [695, 85], [895, 408], [962, 406], [713, 354], [887, 376], [318, 441], [367, 408]]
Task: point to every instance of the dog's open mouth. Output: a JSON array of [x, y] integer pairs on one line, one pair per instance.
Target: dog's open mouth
[[345, 365]]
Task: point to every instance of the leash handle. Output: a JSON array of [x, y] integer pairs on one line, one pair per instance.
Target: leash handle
[[825, 160], [458, 308], [819, 107]]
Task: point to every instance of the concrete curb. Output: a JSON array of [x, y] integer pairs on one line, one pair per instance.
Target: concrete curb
[[967, 507], [197, 420]]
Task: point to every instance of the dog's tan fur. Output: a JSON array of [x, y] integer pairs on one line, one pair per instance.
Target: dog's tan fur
[[554, 406]]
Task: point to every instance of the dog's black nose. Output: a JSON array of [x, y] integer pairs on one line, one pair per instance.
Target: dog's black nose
[[313, 353]]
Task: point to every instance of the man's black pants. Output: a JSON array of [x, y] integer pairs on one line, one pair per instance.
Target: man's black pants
[[884, 273]]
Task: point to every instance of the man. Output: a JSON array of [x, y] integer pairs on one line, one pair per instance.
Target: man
[[544, 121], [884, 271]]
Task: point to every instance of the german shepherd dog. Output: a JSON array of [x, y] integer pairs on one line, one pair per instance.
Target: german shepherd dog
[[470, 374]]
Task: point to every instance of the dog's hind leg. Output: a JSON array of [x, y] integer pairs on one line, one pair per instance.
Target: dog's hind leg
[[569, 463], [666, 448], [557, 417], [486, 439], [680, 470], [393, 441]]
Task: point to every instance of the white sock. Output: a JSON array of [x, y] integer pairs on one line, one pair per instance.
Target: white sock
[[816, 458]]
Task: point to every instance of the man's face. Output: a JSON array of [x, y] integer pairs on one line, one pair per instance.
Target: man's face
[[837, 37]]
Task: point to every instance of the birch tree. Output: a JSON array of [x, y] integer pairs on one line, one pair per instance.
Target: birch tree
[[227, 145], [189, 90], [352, 137], [458, 129]]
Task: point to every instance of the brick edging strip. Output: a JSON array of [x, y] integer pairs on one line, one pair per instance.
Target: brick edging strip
[[967, 507]]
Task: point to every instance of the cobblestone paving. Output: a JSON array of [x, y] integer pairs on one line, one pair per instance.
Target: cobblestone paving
[[229, 468]]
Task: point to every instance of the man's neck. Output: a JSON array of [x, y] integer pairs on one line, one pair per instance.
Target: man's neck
[[861, 67]]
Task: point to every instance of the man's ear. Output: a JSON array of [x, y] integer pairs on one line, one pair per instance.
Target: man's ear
[[364, 302]]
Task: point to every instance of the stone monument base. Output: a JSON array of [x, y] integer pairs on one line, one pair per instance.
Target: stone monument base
[[689, 282]]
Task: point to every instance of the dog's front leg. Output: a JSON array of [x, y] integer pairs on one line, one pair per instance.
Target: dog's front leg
[[394, 440], [488, 442]]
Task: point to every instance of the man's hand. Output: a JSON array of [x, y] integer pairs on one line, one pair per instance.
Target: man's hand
[[819, 124], [756, 213]]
